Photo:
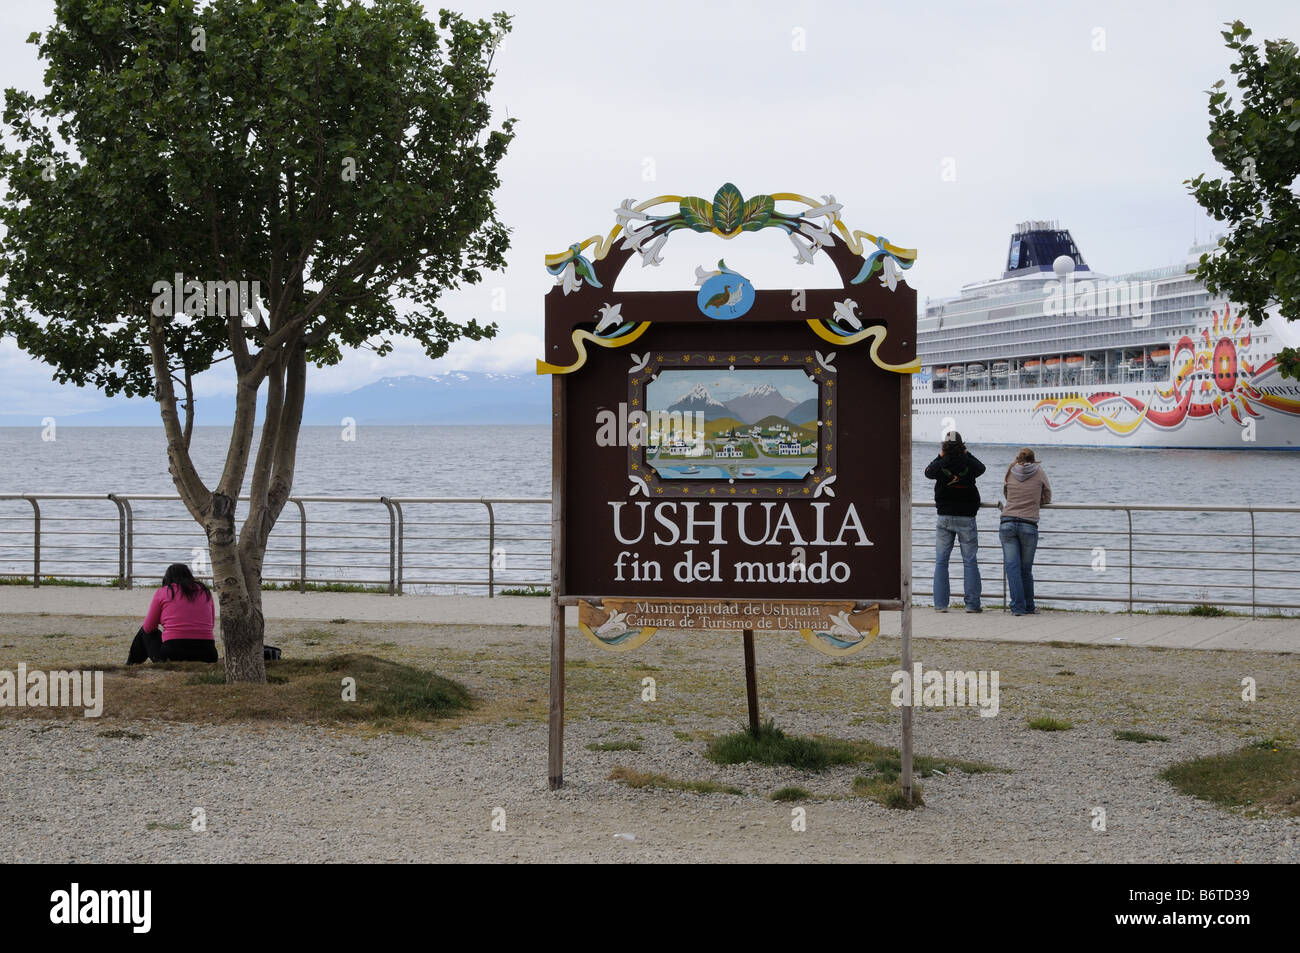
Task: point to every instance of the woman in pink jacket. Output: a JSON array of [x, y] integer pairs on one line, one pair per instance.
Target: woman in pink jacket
[[183, 608]]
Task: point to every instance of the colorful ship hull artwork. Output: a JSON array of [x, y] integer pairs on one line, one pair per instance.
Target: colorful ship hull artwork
[[1055, 354], [1214, 378]]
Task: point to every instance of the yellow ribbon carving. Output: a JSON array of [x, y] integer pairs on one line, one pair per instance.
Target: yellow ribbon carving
[[580, 336], [877, 333]]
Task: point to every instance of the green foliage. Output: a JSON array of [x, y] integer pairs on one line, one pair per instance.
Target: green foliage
[[1048, 724], [222, 155], [773, 746], [1263, 777], [643, 779], [1140, 737], [790, 793], [1207, 610], [1258, 263]]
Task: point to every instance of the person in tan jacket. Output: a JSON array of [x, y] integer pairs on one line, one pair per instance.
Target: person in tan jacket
[[1025, 488]]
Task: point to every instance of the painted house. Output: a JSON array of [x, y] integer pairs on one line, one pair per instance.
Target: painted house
[[788, 448], [730, 450]]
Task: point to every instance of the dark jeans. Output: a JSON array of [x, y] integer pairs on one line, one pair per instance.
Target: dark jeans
[[150, 645], [1019, 541]]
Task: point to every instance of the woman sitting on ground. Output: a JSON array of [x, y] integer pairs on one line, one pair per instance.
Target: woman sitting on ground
[[183, 607]]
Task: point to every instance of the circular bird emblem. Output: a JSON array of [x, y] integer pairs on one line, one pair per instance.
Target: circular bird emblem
[[724, 294]]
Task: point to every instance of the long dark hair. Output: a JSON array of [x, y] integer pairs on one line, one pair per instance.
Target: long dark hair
[[179, 575]]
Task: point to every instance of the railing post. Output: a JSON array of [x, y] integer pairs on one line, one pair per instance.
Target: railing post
[[1253, 607], [492, 549], [1129, 513], [36, 542], [401, 543], [121, 541], [302, 544], [130, 544], [392, 546]]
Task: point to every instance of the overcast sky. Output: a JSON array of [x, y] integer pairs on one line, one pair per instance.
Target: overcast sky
[[1092, 113]]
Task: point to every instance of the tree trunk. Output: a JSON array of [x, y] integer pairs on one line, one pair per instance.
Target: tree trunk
[[242, 623], [242, 629]]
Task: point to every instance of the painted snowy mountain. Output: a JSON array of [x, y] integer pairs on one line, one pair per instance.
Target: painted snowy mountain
[[454, 397], [699, 399], [762, 400]]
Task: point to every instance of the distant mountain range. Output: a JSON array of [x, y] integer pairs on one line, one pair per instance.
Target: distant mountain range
[[456, 397], [762, 400]]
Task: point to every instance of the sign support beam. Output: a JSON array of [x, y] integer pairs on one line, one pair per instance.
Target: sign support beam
[[905, 565], [555, 716], [751, 682]]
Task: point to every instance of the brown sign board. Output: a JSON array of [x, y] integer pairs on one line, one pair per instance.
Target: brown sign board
[[720, 455], [729, 458]]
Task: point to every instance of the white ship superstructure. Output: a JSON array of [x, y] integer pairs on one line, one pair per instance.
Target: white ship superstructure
[[1053, 353]]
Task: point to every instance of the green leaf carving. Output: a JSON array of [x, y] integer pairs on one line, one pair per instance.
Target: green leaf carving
[[727, 207], [697, 213], [756, 213]]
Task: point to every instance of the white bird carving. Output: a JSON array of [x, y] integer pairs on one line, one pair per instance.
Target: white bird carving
[[843, 627], [844, 313], [613, 624], [733, 299]]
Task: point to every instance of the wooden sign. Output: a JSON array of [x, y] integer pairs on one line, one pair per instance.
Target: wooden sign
[[833, 628], [729, 454]]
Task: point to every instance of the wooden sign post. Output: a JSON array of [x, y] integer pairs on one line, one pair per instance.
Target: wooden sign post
[[725, 458]]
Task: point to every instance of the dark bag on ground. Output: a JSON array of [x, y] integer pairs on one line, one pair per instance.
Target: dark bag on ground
[[270, 653]]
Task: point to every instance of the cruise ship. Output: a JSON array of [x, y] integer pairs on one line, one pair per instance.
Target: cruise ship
[[1053, 353]]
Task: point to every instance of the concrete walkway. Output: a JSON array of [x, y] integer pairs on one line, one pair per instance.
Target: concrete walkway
[[1168, 631]]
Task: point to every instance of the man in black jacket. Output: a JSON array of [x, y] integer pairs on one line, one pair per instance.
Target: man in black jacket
[[957, 499]]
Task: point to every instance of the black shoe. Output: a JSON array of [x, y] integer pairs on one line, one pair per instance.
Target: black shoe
[[976, 609]]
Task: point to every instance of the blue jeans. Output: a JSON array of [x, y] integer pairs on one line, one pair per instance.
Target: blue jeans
[[1019, 540], [962, 529]]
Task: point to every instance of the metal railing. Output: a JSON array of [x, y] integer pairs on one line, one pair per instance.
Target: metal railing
[[1089, 555], [417, 543]]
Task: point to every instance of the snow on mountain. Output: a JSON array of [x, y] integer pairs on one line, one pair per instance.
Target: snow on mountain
[[698, 399]]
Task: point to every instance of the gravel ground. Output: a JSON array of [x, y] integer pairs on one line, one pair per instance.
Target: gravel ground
[[271, 793]]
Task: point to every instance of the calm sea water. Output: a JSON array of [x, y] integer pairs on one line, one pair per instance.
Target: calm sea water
[[1207, 556], [515, 461]]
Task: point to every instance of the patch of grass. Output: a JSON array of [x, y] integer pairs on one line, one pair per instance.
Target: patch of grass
[[322, 587], [886, 791], [683, 736], [1262, 777], [773, 746], [1207, 611], [614, 746], [120, 733], [790, 793], [526, 591], [57, 581], [1057, 644], [1141, 737], [389, 695], [1065, 671], [1048, 724], [642, 779]]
